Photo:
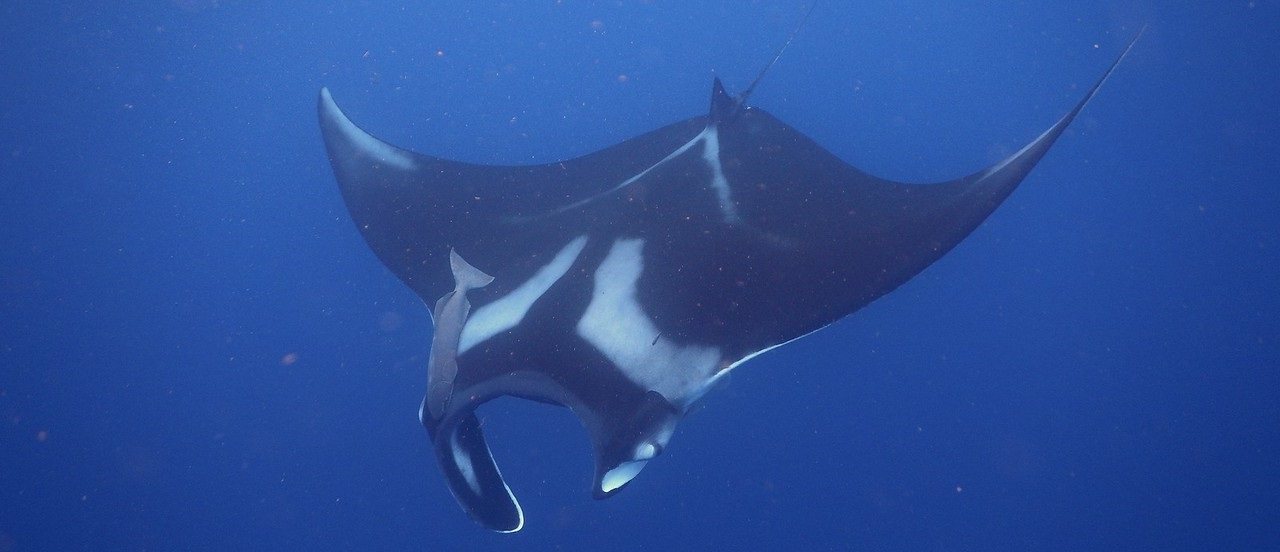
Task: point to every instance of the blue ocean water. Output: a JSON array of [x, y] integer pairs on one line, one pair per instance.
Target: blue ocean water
[[198, 352]]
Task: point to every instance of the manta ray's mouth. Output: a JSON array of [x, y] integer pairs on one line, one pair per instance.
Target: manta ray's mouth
[[476, 482]]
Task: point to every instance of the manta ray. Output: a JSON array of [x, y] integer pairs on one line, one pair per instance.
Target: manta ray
[[624, 283]]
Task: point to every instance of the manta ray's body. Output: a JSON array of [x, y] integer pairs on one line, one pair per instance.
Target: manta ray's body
[[626, 281]]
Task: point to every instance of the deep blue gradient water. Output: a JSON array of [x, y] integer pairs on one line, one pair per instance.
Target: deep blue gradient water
[[198, 352]]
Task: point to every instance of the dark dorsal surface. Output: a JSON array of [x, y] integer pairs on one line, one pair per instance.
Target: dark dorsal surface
[[626, 281]]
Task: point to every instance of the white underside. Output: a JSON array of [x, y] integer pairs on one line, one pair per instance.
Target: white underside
[[617, 326], [507, 312]]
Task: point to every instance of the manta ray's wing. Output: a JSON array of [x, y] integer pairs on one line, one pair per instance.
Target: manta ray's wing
[[626, 281], [529, 228]]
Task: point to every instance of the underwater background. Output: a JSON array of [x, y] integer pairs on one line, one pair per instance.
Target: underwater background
[[198, 351]]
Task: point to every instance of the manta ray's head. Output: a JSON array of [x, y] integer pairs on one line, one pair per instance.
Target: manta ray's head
[[622, 446], [628, 450]]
